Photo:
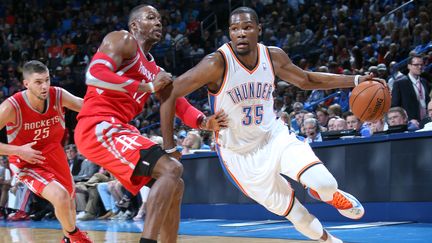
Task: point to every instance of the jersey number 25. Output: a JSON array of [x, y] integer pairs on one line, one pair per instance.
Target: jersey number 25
[[41, 133]]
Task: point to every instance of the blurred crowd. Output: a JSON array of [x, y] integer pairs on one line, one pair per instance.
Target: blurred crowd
[[335, 36]]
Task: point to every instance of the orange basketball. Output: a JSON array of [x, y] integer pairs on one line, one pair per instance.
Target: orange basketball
[[370, 100]]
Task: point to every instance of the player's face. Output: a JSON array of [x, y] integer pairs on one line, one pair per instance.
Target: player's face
[[38, 84], [148, 24], [244, 32]]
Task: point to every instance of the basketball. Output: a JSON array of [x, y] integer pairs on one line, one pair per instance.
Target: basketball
[[370, 100]]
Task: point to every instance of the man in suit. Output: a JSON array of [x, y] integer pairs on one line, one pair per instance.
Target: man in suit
[[73, 159], [412, 92]]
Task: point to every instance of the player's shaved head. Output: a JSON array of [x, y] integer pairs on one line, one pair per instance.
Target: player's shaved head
[[135, 11], [33, 66], [247, 10]]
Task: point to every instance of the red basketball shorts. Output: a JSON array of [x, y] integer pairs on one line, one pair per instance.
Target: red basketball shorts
[[115, 146]]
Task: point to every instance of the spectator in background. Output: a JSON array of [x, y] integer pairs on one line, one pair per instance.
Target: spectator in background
[[411, 92], [377, 126], [89, 189], [395, 74], [427, 122], [87, 170], [73, 159], [334, 110], [193, 141], [382, 71], [284, 116], [322, 116], [331, 124], [354, 123], [297, 122], [83, 192], [312, 130], [5, 184], [397, 116], [340, 124]]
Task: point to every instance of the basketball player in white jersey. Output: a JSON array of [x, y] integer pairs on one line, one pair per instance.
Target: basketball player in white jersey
[[256, 147]]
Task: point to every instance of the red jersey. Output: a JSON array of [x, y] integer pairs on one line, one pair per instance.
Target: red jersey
[[46, 128], [118, 100]]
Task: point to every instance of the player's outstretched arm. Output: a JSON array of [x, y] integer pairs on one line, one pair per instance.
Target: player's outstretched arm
[[25, 152], [208, 72], [71, 101], [286, 70]]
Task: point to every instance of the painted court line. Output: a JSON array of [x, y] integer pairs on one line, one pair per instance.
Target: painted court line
[[368, 225], [253, 223], [261, 229], [202, 220]]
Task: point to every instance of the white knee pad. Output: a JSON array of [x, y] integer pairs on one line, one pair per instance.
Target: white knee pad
[[305, 222], [321, 180]]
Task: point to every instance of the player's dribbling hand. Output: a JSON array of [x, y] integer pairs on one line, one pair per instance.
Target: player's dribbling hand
[[161, 80], [215, 122], [30, 155], [371, 77]]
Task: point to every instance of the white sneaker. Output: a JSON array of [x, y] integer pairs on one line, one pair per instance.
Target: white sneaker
[[118, 216], [345, 203], [80, 214]]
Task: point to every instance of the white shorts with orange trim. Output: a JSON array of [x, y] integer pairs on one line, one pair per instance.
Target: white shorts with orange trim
[[258, 173]]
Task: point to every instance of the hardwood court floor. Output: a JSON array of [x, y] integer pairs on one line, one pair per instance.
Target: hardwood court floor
[[32, 235]]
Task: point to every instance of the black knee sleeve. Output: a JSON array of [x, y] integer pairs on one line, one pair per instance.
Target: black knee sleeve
[[148, 160]]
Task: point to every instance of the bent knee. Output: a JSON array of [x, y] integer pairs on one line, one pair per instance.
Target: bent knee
[[329, 185], [176, 169], [173, 168], [60, 198]]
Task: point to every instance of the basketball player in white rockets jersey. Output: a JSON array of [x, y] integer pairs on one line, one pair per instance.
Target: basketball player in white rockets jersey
[[256, 147]]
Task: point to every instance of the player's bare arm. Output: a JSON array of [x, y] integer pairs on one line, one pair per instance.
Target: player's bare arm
[[71, 101], [119, 46], [25, 152], [286, 70], [208, 72]]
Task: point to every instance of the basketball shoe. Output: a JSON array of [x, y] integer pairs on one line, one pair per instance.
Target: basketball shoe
[[79, 237], [345, 203]]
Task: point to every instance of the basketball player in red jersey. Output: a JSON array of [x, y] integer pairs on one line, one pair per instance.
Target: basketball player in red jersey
[[34, 119], [120, 78]]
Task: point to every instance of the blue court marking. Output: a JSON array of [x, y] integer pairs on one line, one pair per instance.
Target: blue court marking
[[409, 232]]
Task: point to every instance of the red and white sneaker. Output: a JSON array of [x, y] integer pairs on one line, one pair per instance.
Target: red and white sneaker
[[79, 237], [18, 216], [345, 203]]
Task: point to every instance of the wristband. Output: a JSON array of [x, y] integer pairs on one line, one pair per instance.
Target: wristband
[[171, 150], [152, 89], [356, 80]]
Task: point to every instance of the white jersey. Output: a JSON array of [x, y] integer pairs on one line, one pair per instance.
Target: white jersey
[[246, 96]]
